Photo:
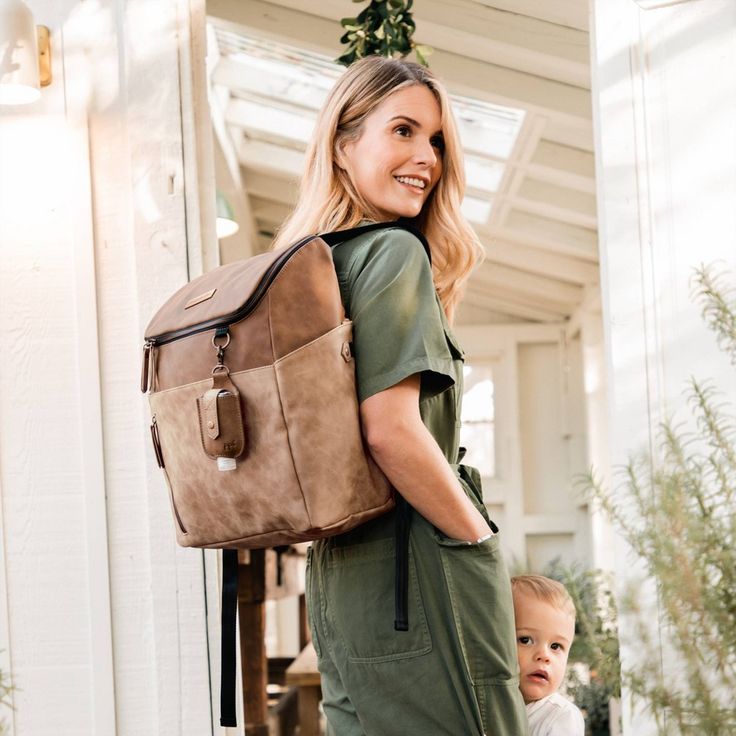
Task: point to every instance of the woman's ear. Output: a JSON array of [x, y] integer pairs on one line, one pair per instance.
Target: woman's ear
[[339, 156], [342, 154]]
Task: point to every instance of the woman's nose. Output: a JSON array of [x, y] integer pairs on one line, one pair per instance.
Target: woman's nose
[[425, 153]]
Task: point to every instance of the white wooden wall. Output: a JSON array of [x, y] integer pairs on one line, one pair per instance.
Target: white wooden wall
[[540, 441], [103, 622], [664, 83]]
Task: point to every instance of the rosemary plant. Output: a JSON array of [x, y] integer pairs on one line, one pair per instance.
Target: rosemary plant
[[678, 515]]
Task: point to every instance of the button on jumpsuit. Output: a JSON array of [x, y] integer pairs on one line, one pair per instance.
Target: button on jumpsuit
[[454, 672]]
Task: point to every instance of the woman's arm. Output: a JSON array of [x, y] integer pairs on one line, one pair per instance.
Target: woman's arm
[[411, 459]]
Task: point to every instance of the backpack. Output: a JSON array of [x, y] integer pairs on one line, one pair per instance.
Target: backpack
[[254, 412]]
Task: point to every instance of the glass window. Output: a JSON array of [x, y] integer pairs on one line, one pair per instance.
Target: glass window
[[477, 432]]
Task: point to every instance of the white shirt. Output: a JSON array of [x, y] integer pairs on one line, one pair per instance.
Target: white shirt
[[554, 716]]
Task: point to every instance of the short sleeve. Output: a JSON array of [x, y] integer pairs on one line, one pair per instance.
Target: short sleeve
[[397, 323]]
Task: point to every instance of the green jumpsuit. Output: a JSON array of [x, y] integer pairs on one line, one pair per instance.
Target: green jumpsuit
[[454, 672]]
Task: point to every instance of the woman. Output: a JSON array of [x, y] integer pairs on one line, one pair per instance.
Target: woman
[[385, 147]]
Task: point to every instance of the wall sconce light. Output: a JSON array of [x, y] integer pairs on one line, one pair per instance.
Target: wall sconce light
[[25, 55], [226, 223]]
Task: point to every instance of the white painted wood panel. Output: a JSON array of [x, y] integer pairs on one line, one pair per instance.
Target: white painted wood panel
[[540, 441], [665, 109], [56, 582], [93, 236]]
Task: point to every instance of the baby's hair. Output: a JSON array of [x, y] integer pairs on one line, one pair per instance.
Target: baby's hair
[[544, 589]]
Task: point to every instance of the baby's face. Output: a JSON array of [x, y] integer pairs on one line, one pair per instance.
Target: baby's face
[[544, 634]]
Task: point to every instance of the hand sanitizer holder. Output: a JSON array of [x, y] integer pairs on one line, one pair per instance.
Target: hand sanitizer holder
[[221, 425]]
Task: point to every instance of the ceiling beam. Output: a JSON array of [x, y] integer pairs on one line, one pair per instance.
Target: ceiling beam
[[513, 305], [569, 106], [565, 135], [563, 165], [470, 314], [243, 78], [268, 186], [556, 203], [547, 234], [269, 158], [245, 114], [537, 260], [570, 13], [471, 29], [500, 278]]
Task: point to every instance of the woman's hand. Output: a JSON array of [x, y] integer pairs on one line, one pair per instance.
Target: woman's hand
[[412, 460]]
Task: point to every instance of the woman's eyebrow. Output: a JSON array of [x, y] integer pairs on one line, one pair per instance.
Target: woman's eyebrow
[[407, 118], [413, 122]]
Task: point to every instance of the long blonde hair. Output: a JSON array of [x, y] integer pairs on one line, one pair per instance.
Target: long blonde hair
[[329, 201]]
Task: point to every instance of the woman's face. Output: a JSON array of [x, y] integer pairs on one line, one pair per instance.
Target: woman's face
[[397, 158]]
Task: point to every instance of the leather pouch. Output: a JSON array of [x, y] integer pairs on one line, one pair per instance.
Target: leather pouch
[[221, 426]]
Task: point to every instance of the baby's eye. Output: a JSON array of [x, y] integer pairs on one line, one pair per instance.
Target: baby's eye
[[557, 646], [524, 639]]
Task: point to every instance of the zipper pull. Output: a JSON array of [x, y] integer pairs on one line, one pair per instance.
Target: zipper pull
[[156, 442], [145, 368]]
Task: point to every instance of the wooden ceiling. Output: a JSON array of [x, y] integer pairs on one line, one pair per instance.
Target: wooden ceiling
[[541, 235]]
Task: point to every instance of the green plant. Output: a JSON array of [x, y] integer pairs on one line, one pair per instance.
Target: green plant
[[6, 687], [677, 512], [595, 644], [386, 28]]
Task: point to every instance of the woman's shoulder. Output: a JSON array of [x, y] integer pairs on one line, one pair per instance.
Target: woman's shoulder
[[391, 247]]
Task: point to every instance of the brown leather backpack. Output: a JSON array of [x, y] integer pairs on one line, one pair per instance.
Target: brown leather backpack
[[254, 410]]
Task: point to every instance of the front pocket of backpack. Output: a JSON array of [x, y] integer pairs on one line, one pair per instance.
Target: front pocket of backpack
[[361, 604]]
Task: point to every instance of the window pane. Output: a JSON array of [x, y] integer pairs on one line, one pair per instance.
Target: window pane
[[477, 432]]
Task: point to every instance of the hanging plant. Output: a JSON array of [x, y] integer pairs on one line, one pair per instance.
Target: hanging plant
[[386, 28]]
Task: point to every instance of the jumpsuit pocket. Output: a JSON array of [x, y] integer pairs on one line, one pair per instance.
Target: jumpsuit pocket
[[482, 611], [360, 595], [313, 604], [470, 481]]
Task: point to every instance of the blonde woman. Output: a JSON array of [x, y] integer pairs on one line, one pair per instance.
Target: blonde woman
[[385, 148]]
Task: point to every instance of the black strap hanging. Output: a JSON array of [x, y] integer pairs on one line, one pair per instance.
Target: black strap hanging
[[228, 659], [401, 589]]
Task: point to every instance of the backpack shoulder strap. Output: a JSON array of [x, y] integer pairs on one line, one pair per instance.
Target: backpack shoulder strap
[[340, 236]]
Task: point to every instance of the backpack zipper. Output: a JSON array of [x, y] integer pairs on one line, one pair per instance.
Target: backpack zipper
[[266, 280], [241, 312]]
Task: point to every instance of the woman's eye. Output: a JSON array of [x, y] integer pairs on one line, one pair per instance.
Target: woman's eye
[[403, 130], [438, 142]]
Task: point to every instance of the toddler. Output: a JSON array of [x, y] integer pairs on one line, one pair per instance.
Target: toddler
[[545, 627]]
